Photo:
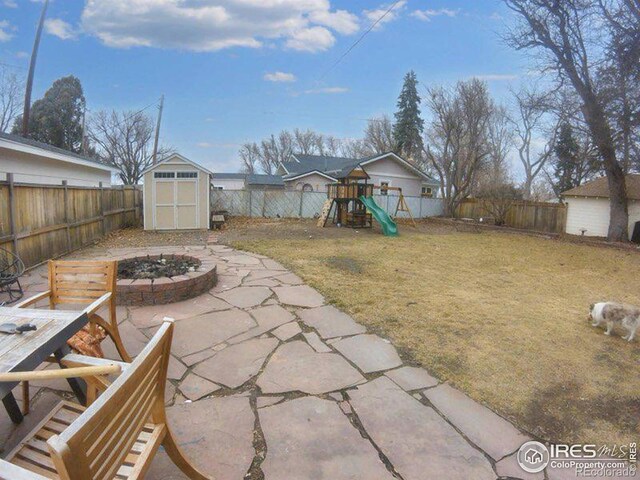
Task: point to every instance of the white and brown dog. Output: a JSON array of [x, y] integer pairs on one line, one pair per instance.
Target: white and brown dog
[[612, 313]]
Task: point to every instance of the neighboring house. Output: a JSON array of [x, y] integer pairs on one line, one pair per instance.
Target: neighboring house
[[588, 207], [36, 162], [248, 181], [312, 173], [176, 195]]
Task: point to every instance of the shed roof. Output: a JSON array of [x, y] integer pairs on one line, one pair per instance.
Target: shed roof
[[173, 157], [599, 188]]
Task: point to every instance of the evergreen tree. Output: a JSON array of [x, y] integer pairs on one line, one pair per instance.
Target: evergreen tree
[[408, 128], [566, 151], [56, 119]]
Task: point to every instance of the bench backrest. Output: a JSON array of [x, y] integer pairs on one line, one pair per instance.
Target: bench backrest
[[97, 443], [81, 282]]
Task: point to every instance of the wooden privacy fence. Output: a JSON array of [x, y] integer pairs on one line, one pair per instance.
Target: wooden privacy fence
[[40, 222], [538, 216]]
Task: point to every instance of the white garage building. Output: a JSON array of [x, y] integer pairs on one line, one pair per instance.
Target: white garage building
[[588, 207], [176, 195]]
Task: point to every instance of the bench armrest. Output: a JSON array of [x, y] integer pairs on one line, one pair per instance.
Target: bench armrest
[[97, 304], [75, 360], [9, 471], [32, 300], [78, 372]]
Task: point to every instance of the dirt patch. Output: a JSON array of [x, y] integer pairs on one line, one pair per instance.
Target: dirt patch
[[137, 237], [351, 265]]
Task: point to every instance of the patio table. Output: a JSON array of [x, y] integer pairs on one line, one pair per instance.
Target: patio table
[[26, 351]]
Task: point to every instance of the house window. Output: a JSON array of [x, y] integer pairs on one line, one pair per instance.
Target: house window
[[383, 188], [427, 192], [187, 174], [307, 187], [164, 174]]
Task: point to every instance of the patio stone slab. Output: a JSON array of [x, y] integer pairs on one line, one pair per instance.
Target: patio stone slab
[[268, 318], [145, 317], [242, 260], [318, 345], [290, 279], [490, 432], [195, 334], [191, 360], [508, 467], [194, 387], [226, 282], [287, 331], [237, 364], [369, 352], [261, 274], [261, 282], [267, 401], [245, 297], [216, 434], [419, 443], [330, 322], [272, 264], [309, 438], [176, 368], [412, 378], [295, 366], [299, 296]]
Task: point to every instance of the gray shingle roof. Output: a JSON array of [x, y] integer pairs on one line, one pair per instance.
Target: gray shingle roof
[[34, 143], [252, 179]]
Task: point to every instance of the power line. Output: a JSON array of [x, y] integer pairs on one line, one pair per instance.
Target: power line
[[355, 44]]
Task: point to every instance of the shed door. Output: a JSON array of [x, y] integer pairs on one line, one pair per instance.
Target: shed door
[[187, 204], [165, 204]]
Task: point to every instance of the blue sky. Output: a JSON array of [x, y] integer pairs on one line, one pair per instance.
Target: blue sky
[[220, 63]]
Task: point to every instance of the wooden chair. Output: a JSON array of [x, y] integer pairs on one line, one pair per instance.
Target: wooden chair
[[117, 436], [82, 283]]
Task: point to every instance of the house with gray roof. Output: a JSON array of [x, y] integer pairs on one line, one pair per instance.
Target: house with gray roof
[[35, 162], [312, 173], [246, 181]]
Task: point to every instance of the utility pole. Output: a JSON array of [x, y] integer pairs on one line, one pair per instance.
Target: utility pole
[[83, 147], [155, 143], [32, 68]]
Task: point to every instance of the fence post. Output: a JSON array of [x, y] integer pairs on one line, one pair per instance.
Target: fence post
[[250, 203], [387, 202], [301, 202], [104, 225], [12, 214], [123, 215], [66, 214], [420, 208]]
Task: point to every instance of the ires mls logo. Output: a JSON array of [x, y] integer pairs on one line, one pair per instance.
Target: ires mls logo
[[533, 457]]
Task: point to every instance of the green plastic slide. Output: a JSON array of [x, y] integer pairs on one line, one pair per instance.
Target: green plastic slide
[[389, 227]]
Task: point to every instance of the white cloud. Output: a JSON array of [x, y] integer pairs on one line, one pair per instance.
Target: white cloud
[[204, 145], [314, 39], [210, 25], [10, 3], [59, 28], [329, 90], [374, 15], [5, 35], [279, 77], [341, 21], [22, 54], [496, 77], [427, 15]]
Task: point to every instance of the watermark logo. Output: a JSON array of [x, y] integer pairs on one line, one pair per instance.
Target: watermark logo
[[533, 457]]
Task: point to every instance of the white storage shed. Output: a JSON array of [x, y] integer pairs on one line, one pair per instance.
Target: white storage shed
[[176, 195]]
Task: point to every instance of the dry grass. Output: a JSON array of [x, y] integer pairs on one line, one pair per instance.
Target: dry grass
[[501, 316]]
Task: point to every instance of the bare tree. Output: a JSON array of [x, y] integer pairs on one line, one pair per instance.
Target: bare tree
[[457, 137], [496, 170], [532, 121], [274, 150], [354, 148], [497, 200], [11, 89], [569, 36], [378, 136], [250, 157], [124, 140]]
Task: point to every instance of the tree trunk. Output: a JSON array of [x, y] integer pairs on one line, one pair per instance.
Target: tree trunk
[[603, 138]]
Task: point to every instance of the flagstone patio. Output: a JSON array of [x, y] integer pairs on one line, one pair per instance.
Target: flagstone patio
[[267, 381]]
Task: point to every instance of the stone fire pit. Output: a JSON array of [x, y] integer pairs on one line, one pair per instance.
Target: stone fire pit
[[161, 279]]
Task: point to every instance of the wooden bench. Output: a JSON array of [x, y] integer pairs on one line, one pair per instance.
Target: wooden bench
[[117, 436]]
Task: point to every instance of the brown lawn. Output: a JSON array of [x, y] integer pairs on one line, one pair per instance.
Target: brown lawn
[[501, 316]]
